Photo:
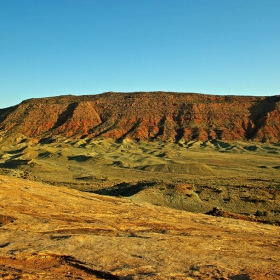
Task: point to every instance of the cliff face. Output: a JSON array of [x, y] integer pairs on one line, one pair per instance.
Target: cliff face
[[147, 116]]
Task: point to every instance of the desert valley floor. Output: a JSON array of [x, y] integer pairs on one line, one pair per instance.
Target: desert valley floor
[[238, 177], [104, 209]]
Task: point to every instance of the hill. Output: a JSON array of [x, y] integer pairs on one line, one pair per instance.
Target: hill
[[149, 116]]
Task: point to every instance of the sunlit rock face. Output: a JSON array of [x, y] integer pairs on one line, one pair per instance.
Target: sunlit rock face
[[147, 116], [52, 232]]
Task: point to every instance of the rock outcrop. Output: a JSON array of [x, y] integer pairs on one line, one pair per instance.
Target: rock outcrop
[[58, 233], [146, 116]]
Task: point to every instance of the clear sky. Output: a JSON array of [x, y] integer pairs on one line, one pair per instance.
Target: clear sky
[[58, 47]]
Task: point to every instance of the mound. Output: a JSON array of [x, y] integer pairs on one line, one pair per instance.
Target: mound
[[181, 168], [52, 155]]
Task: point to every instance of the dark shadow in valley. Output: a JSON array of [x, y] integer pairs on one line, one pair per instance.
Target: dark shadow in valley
[[66, 115], [160, 128], [4, 113], [132, 129], [125, 189], [80, 158], [259, 113], [240, 277], [14, 163]]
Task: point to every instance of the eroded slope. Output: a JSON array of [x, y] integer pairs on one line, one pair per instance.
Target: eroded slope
[[147, 116]]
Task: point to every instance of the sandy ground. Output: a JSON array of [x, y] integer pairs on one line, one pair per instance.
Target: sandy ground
[[52, 232], [193, 176]]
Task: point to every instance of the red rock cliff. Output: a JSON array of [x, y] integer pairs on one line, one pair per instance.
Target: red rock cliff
[[147, 116]]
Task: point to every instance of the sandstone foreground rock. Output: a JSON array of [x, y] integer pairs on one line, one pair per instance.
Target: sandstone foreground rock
[[57, 233]]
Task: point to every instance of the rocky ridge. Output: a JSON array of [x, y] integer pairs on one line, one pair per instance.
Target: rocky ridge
[[148, 116]]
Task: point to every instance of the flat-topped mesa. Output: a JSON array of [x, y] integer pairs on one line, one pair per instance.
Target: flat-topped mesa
[[148, 116]]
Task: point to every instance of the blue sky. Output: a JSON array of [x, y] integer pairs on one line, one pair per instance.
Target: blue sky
[[59, 47]]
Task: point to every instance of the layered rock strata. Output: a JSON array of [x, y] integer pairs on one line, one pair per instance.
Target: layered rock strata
[[147, 116]]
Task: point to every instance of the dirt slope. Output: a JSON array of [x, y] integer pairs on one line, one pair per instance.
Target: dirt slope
[[147, 116], [57, 233]]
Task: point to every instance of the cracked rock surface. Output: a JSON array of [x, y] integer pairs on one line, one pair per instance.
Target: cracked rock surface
[[49, 232]]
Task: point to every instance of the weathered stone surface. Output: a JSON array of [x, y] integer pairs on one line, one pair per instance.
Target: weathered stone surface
[[51, 232], [147, 116]]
